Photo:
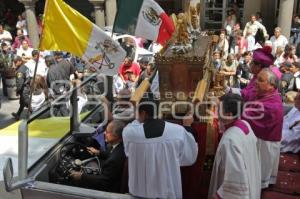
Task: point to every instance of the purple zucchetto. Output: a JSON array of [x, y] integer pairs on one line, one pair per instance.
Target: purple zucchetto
[[263, 56], [276, 71]]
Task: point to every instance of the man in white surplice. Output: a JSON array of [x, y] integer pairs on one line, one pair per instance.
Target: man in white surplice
[[156, 149], [236, 170]]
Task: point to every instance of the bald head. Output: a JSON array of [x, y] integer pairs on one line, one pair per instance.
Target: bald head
[[266, 81]]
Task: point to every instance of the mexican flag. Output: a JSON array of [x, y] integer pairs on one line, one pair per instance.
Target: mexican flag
[[65, 29], [143, 18]]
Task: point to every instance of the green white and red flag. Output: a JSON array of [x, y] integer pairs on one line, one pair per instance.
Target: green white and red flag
[[145, 19]]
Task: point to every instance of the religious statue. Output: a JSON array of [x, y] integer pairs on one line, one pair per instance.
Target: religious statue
[[182, 30], [194, 13], [182, 40], [218, 86]]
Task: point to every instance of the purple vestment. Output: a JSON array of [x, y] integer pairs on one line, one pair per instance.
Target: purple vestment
[[266, 59], [249, 93], [240, 124], [269, 126]]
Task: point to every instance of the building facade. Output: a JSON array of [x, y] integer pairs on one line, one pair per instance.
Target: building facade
[[213, 12]]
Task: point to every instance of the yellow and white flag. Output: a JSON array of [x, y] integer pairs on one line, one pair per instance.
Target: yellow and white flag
[[65, 29]]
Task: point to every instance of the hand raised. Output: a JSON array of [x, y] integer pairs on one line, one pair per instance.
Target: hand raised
[[93, 151]]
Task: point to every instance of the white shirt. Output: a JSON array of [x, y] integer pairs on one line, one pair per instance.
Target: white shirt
[[281, 41], [22, 25], [6, 36], [228, 26], [41, 68], [253, 27], [37, 101], [236, 170], [117, 84], [297, 79], [155, 47], [82, 100], [291, 137], [223, 45], [279, 60], [27, 53], [251, 43], [154, 164], [114, 146]]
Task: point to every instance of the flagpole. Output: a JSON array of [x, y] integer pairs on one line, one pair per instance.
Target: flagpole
[[32, 86], [109, 94]]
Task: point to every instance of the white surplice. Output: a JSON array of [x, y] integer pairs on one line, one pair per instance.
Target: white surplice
[[236, 170], [269, 154], [291, 136], [154, 163]]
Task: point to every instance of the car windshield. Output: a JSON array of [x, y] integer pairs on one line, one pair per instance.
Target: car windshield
[[48, 128]]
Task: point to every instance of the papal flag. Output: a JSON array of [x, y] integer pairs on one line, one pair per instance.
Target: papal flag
[[65, 29], [143, 18]]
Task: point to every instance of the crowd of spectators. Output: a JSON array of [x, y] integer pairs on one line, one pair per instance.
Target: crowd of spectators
[[233, 57], [234, 50]]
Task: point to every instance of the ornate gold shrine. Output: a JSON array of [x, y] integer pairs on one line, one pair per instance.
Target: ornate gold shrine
[[179, 74], [188, 79]]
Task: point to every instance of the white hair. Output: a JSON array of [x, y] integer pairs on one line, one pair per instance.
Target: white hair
[[277, 29], [272, 78], [117, 128]]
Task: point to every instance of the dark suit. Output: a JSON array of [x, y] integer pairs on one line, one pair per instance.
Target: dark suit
[[112, 170], [59, 71]]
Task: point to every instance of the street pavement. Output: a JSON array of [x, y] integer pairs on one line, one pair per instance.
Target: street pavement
[[7, 107]]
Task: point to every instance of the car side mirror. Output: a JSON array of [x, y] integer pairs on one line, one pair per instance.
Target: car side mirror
[[8, 174]]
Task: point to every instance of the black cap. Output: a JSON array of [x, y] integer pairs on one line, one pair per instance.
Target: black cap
[[34, 53]]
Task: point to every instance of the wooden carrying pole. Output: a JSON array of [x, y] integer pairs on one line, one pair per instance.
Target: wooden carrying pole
[[143, 88], [139, 92], [200, 91], [202, 87]]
